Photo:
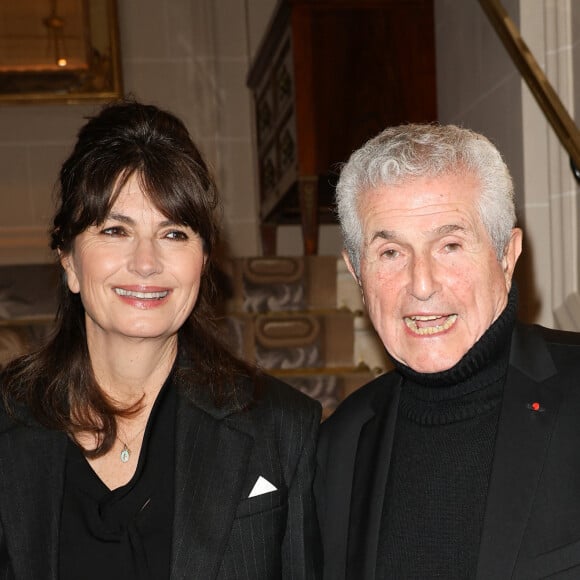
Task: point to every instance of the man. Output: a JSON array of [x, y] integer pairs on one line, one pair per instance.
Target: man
[[464, 461]]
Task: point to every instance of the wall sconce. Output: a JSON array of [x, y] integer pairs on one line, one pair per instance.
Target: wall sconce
[[55, 28], [59, 51]]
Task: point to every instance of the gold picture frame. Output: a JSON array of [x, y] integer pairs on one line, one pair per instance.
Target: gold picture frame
[[62, 51]]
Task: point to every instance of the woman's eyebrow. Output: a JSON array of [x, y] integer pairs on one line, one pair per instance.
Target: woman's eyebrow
[[120, 217]]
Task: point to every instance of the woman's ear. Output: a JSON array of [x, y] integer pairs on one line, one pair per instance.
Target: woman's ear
[[67, 262]]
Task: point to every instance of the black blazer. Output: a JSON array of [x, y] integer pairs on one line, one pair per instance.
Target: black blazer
[[218, 532], [532, 520]]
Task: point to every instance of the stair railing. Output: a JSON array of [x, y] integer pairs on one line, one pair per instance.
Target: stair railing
[[543, 92]]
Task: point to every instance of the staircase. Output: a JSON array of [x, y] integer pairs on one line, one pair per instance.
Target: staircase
[[299, 318]]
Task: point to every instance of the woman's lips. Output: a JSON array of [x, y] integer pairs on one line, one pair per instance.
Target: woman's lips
[[141, 294]]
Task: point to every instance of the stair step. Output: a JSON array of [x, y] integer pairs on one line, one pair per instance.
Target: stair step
[[265, 284], [277, 340], [300, 318]]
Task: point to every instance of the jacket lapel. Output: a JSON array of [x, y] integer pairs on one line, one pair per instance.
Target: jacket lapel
[[31, 488], [337, 498], [375, 457], [212, 454], [522, 442], [356, 502]]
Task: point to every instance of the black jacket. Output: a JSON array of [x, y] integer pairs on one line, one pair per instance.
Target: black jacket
[[532, 518], [218, 531]]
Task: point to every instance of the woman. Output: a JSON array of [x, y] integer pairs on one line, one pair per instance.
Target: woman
[[133, 445]]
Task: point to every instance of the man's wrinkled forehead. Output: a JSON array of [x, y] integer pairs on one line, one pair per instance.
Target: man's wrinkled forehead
[[430, 207]]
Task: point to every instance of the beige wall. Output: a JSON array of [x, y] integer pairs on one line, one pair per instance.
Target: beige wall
[[33, 141], [479, 86], [189, 56], [551, 191], [192, 56]]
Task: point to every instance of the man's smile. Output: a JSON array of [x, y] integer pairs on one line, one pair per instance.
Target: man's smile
[[431, 324]]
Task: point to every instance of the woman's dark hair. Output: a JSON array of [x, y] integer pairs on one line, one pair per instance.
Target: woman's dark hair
[[126, 138]]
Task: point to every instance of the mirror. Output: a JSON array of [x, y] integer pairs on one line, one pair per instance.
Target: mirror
[[59, 51]]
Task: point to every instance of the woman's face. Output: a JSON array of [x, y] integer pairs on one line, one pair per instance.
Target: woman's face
[[138, 273]]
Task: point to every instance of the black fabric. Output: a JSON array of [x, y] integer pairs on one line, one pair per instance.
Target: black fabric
[[218, 532], [531, 525], [123, 534], [441, 462]]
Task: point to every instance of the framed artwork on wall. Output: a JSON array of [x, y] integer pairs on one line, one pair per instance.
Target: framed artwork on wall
[[59, 51]]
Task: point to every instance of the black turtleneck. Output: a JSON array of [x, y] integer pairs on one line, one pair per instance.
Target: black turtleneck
[[441, 461]]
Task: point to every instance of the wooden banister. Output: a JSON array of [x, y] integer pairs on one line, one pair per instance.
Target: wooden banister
[[543, 92]]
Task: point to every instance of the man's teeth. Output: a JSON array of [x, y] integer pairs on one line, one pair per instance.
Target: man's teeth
[[142, 295], [413, 323]]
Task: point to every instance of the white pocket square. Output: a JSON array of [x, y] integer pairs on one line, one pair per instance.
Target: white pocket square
[[261, 487]]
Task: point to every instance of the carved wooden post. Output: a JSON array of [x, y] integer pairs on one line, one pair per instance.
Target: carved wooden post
[[308, 200]]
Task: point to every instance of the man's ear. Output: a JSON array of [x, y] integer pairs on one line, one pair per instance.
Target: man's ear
[[351, 269], [67, 262], [512, 253], [349, 265]]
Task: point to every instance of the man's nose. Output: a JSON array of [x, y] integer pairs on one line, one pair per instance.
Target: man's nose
[[423, 278]]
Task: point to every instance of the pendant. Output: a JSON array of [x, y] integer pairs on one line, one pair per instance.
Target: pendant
[[125, 454]]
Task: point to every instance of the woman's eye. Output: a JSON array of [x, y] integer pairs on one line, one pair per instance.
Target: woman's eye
[[177, 235], [113, 231]]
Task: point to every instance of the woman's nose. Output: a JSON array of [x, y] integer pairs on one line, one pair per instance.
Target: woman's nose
[[145, 259]]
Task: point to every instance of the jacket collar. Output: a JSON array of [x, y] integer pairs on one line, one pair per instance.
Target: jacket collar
[[242, 396], [526, 341]]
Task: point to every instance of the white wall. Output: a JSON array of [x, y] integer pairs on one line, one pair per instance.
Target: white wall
[[189, 56], [551, 191], [192, 56], [480, 87]]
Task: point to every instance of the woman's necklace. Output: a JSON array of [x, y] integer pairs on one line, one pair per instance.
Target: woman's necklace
[[126, 451]]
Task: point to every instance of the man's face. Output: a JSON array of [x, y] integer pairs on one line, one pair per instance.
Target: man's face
[[430, 276]]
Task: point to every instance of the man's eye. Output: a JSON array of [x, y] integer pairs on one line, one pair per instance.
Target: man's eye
[[177, 235], [391, 253], [453, 247]]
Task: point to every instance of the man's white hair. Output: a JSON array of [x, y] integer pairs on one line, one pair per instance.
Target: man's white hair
[[407, 152]]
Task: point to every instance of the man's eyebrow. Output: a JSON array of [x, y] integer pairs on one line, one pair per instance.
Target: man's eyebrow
[[450, 229], [384, 235], [390, 235]]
